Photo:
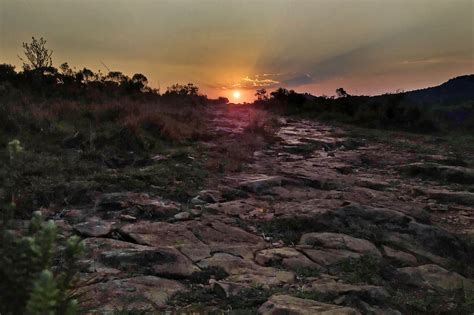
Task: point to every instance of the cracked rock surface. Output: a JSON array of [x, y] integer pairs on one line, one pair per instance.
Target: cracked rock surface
[[316, 223]]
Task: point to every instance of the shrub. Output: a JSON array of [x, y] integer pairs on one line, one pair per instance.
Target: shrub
[[366, 269], [28, 283]]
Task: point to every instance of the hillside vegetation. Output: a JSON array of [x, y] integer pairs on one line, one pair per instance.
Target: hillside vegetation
[[446, 108]]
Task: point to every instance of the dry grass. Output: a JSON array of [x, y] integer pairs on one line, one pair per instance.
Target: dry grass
[[175, 123], [263, 125]]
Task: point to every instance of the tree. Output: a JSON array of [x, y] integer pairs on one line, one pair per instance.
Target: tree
[[222, 100], [37, 55], [280, 94], [139, 81], [7, 72], [65, 69], [192, 89], [178, 89], [116, 76], [340, 92], [261, 94], [85, 75]]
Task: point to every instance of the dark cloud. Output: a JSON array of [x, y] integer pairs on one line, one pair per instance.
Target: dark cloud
[[298, 80]]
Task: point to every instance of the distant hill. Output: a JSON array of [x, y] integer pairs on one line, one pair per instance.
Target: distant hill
[[458, 89]]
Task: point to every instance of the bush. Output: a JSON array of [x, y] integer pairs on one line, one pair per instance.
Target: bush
[[28, 284]]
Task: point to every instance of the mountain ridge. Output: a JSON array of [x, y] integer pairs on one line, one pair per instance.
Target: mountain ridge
[[459, 88]]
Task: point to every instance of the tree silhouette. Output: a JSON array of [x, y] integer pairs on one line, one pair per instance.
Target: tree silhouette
[[37, 55], [178, 89], [261, 94], [340, 92], [66, 69], [116, 76], [139, 81], [85, 76], [280, 94], [7, 72]]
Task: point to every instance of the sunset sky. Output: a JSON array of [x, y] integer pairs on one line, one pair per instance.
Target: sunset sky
[[367, 47]]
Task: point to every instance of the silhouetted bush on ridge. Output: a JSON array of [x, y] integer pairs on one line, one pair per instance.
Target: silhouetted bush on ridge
[[388, 111]]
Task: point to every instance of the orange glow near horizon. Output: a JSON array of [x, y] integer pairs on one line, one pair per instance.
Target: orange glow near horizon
[[235, 96], [370, 48]]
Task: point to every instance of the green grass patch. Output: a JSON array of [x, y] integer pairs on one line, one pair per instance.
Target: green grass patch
[[246, 302], [366, 269]]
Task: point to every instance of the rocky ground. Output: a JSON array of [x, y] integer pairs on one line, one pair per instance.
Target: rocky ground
[[321, 221]]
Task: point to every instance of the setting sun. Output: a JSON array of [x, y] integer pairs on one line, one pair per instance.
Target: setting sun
[[236, 94]]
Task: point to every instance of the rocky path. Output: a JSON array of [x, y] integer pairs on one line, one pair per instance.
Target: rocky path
[[317, 223]]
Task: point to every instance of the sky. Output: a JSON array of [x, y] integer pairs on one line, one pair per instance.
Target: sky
[[365, 46]]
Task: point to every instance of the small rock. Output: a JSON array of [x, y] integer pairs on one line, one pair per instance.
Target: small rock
[[261, 184], [197, 201], [196, 211], [127, 217], [159, 157], [182, 216], [210, 196]]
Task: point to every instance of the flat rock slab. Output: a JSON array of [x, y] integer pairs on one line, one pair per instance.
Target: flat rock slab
[[288, 257], [330, 257], [339, 241], [286, 304], [212, 232], [160, 234], [334, 289], [371, 183], [221, 237], [145, 293], [432, 277], [94, 228], [163, 261], [95, 246], [399, 256], [245, 271]]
